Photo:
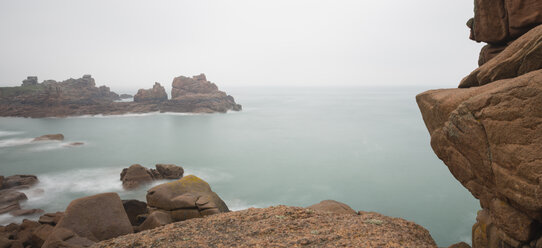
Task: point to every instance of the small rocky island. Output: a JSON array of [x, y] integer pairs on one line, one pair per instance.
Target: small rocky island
[[75, 97]]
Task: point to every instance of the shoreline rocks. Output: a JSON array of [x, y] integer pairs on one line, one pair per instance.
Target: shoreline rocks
[[58, 137], [11, 198], [137, 175], [156, 94], [76, 97], [281, 226]]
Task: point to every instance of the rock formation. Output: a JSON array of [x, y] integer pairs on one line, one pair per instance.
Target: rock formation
[[156, 94], [50, 137], [489, 131], [137, 175], [10, 197], [187, 198], [333, 207], [499, 22], [88, 220], [281, 226], [75, 97]]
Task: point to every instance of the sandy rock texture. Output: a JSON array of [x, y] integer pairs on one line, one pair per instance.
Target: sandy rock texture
[[281, 226]]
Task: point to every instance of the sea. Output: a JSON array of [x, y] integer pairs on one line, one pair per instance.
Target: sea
[[365, 146]]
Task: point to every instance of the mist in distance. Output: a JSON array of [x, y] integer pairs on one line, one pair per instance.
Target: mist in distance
[[132, 44]]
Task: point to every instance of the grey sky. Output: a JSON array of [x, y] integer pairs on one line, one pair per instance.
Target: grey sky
[[129, 44]]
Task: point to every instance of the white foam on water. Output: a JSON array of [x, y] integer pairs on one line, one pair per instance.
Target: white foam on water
[[15, 142], [9, 133], [238, 204], [133, 115]]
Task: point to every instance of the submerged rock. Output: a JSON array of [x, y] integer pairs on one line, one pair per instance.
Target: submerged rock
[[58, 136]]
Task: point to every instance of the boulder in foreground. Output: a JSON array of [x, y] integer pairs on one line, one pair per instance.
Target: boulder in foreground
[[281, 226], [90, 219], [187, 198]]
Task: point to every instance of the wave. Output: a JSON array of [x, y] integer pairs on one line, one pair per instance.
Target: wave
[[134, 115], [15, 142], [9, 133]]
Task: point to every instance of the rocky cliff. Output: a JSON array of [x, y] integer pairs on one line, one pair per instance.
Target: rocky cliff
[[81, 97], [489, 131]]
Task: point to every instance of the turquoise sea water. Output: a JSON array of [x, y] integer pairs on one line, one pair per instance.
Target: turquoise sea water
[[366, 147]]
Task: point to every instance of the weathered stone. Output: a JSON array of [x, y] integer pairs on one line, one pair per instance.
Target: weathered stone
[[58, 136], [460, 245], [156, 94], [40, 235], [189, 197], [135, 176], [133, 209], [154, 220], [170, 171], [333, 207], [488, 52], [520, 57], [25, 212], [19, 180], [51, 218], [92, 218]]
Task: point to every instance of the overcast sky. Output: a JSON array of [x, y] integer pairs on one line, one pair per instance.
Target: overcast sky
[[129, 44]]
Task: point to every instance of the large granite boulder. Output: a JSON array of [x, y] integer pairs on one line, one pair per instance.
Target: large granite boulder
[[189, 197], [90, 219], [332, 207], [137, 175], [156, 94]]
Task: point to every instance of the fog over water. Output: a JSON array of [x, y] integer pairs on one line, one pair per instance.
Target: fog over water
[[128, 44]]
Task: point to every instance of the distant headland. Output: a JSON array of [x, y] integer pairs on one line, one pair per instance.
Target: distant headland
[[75, 97]]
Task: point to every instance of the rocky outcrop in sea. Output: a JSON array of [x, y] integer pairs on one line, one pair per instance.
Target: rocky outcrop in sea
[[489, 131], [75, 97]]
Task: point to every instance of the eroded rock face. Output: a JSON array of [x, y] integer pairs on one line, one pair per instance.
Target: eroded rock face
[[499, 22], [90, 219], [137, 175], [490, 137], [156, 94], [187, 198], [196, 94], [75, 97], [522, 56]]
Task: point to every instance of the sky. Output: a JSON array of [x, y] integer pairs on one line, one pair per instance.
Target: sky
[[130, 44]]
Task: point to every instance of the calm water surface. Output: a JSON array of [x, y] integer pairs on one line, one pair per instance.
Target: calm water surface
[[367, 147]]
